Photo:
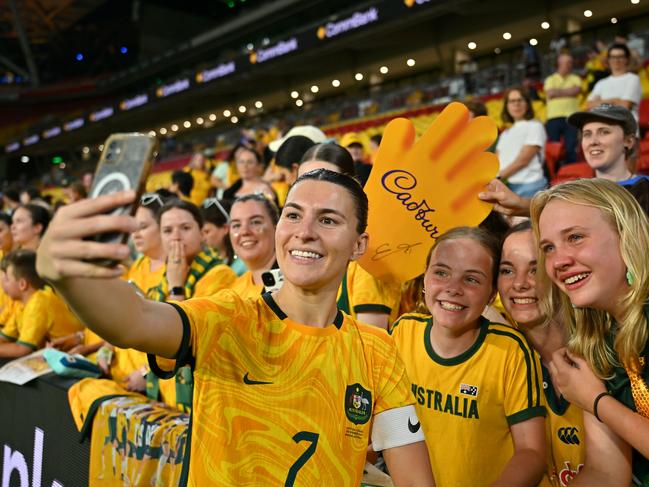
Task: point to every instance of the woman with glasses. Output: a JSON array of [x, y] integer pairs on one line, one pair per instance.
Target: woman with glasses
[[520, 147], [622, 87], [216, 230], [253, 219]]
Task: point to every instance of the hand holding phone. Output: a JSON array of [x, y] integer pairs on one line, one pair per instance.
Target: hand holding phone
[[125, 164]]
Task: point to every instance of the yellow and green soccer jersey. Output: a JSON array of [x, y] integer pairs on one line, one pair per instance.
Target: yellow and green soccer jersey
[[279, 403], [245, 287], [44, 317], [11, 309], [466, 404], [141, 275], [565, 437], [361, 292]]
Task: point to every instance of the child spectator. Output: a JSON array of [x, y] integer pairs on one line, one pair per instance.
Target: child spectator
[[44, 316]]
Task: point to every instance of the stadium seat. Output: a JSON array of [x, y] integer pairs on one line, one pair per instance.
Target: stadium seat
[[642, 166], [554, 152], [644, 146], [573, 171]]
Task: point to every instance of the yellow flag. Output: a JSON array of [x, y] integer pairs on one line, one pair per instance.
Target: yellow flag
[[417, 191]]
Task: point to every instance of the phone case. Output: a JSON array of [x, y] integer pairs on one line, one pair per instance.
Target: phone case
[[125, 164]]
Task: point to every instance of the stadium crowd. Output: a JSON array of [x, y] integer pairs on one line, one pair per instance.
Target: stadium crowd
[[520, 349]]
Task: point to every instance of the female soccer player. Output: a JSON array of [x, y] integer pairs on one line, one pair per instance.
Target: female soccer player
[[477, 384], [286, 387], [593, 238], [518, 291]]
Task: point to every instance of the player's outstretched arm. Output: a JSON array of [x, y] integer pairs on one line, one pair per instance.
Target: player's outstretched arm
[[409, 465], [525, 468], [106, 304]]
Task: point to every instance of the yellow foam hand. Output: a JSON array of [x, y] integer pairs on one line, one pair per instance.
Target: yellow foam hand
[[417, 191]]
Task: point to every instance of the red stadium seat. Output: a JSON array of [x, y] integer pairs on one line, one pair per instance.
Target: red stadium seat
[[643, 113], [573, 171], [642, 166], [644, 146], [554, 152]]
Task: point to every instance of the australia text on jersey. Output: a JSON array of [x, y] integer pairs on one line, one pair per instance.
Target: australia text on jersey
[[446, 403]]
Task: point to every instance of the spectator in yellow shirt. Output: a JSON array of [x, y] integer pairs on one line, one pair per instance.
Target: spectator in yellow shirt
[[562, 90], [44, 316]]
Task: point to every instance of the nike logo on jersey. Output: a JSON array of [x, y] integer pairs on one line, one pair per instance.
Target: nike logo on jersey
[[413, 427], [251, 382]]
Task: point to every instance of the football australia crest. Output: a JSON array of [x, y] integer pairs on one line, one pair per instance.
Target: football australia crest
[[358, 404]]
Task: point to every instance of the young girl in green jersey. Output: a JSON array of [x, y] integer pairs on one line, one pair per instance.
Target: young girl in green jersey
[[520, 297], [476, 384], [593, 238]]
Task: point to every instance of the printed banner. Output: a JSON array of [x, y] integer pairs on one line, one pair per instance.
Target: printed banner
[[134, 441]]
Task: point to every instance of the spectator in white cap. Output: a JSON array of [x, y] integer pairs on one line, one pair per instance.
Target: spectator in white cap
[[309, 131]]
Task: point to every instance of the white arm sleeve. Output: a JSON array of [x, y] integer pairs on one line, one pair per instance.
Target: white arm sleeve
[[396, 427]]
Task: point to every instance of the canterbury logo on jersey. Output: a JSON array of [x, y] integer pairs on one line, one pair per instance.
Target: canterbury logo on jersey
[[568, 435]]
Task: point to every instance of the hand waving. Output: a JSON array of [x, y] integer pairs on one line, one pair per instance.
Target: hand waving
[[419, 190]]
